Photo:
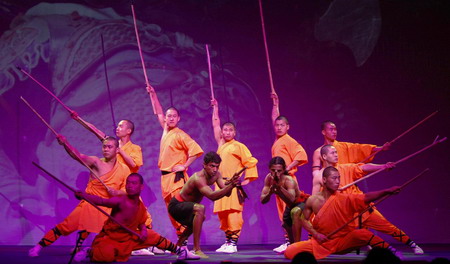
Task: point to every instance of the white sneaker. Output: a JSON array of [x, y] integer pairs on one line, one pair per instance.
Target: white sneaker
[[142, 252], [281, 248], [418, 250], [399, 255], [34, 251], [82, 254], [157, 251], [184, 254], [230, 249], [222, 248]]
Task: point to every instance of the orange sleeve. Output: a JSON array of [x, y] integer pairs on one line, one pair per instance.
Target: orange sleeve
[[297, 152], [193, 149], [250, 162]]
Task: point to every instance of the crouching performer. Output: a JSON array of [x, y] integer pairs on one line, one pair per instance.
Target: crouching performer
[[332, 211], [114, 243]]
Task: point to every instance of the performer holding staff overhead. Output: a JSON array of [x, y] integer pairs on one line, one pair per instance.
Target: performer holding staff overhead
[[111, 182], [177, 152]]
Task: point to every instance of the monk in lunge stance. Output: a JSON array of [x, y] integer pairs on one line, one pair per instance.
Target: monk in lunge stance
[[129, 154], [185, 207], [290, 150], [332, 210], [235, 156], [85, 217], [281, 184], [114, 243], [177, 152], [348, 152], [351, 172]]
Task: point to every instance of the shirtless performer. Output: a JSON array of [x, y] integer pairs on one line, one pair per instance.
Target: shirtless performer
[[235, 156], [114, 243], [332, 210], [177, 152], [290, 150], [85, 217], [351, 172], [348, 152], [278, 182], [185, 207]]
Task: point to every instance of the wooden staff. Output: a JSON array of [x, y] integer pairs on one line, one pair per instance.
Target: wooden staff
[[141, 55], [210, 72], [435, 142], [266, 47], [87, 200], [79, 119], [375, 203], [401, 135], [68, 149], [107, 86]]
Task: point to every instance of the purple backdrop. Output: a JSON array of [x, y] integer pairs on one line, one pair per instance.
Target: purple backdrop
[[375, 71]]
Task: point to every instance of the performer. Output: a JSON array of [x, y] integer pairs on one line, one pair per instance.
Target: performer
[[177, 152], [281, 184], [235, 156], [114, 243], [332, 210], [351, 172], [129, 154], [348, 152], [85, 217], [290, 150], [185, 207]]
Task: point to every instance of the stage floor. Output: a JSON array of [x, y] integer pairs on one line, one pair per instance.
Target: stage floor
[[246, 254]]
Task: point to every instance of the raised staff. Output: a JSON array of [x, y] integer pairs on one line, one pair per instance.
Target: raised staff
[[397, 138], [72, 152], [73, 114], [147, 83], [435, 142]]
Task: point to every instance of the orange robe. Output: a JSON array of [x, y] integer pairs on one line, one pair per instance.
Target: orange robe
[[353, 152], [374, 220], [235, 156], [135, 152], [337, 210], [176, 147], [115, 243], [289, 149], [85, 216]]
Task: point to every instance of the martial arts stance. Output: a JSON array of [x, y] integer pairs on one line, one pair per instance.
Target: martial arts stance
[[290, 150], [114, 243], [332, 210], [348, 152], [85, 217], [177, 152], [281, 184], [235, 156], [129, 154], [351, 172], [185, 207]]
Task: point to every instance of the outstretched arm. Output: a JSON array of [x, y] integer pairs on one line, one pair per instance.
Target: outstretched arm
[[372, 196], [97, 200], [155, 101], [275, 108], [216, 122], [215, 195], [370, 167], [89, 161]]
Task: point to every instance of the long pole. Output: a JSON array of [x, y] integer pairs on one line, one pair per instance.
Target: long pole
[[272, 87], [87, 200], [375, 203]]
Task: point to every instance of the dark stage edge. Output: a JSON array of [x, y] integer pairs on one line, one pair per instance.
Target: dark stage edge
[[246, 254]]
